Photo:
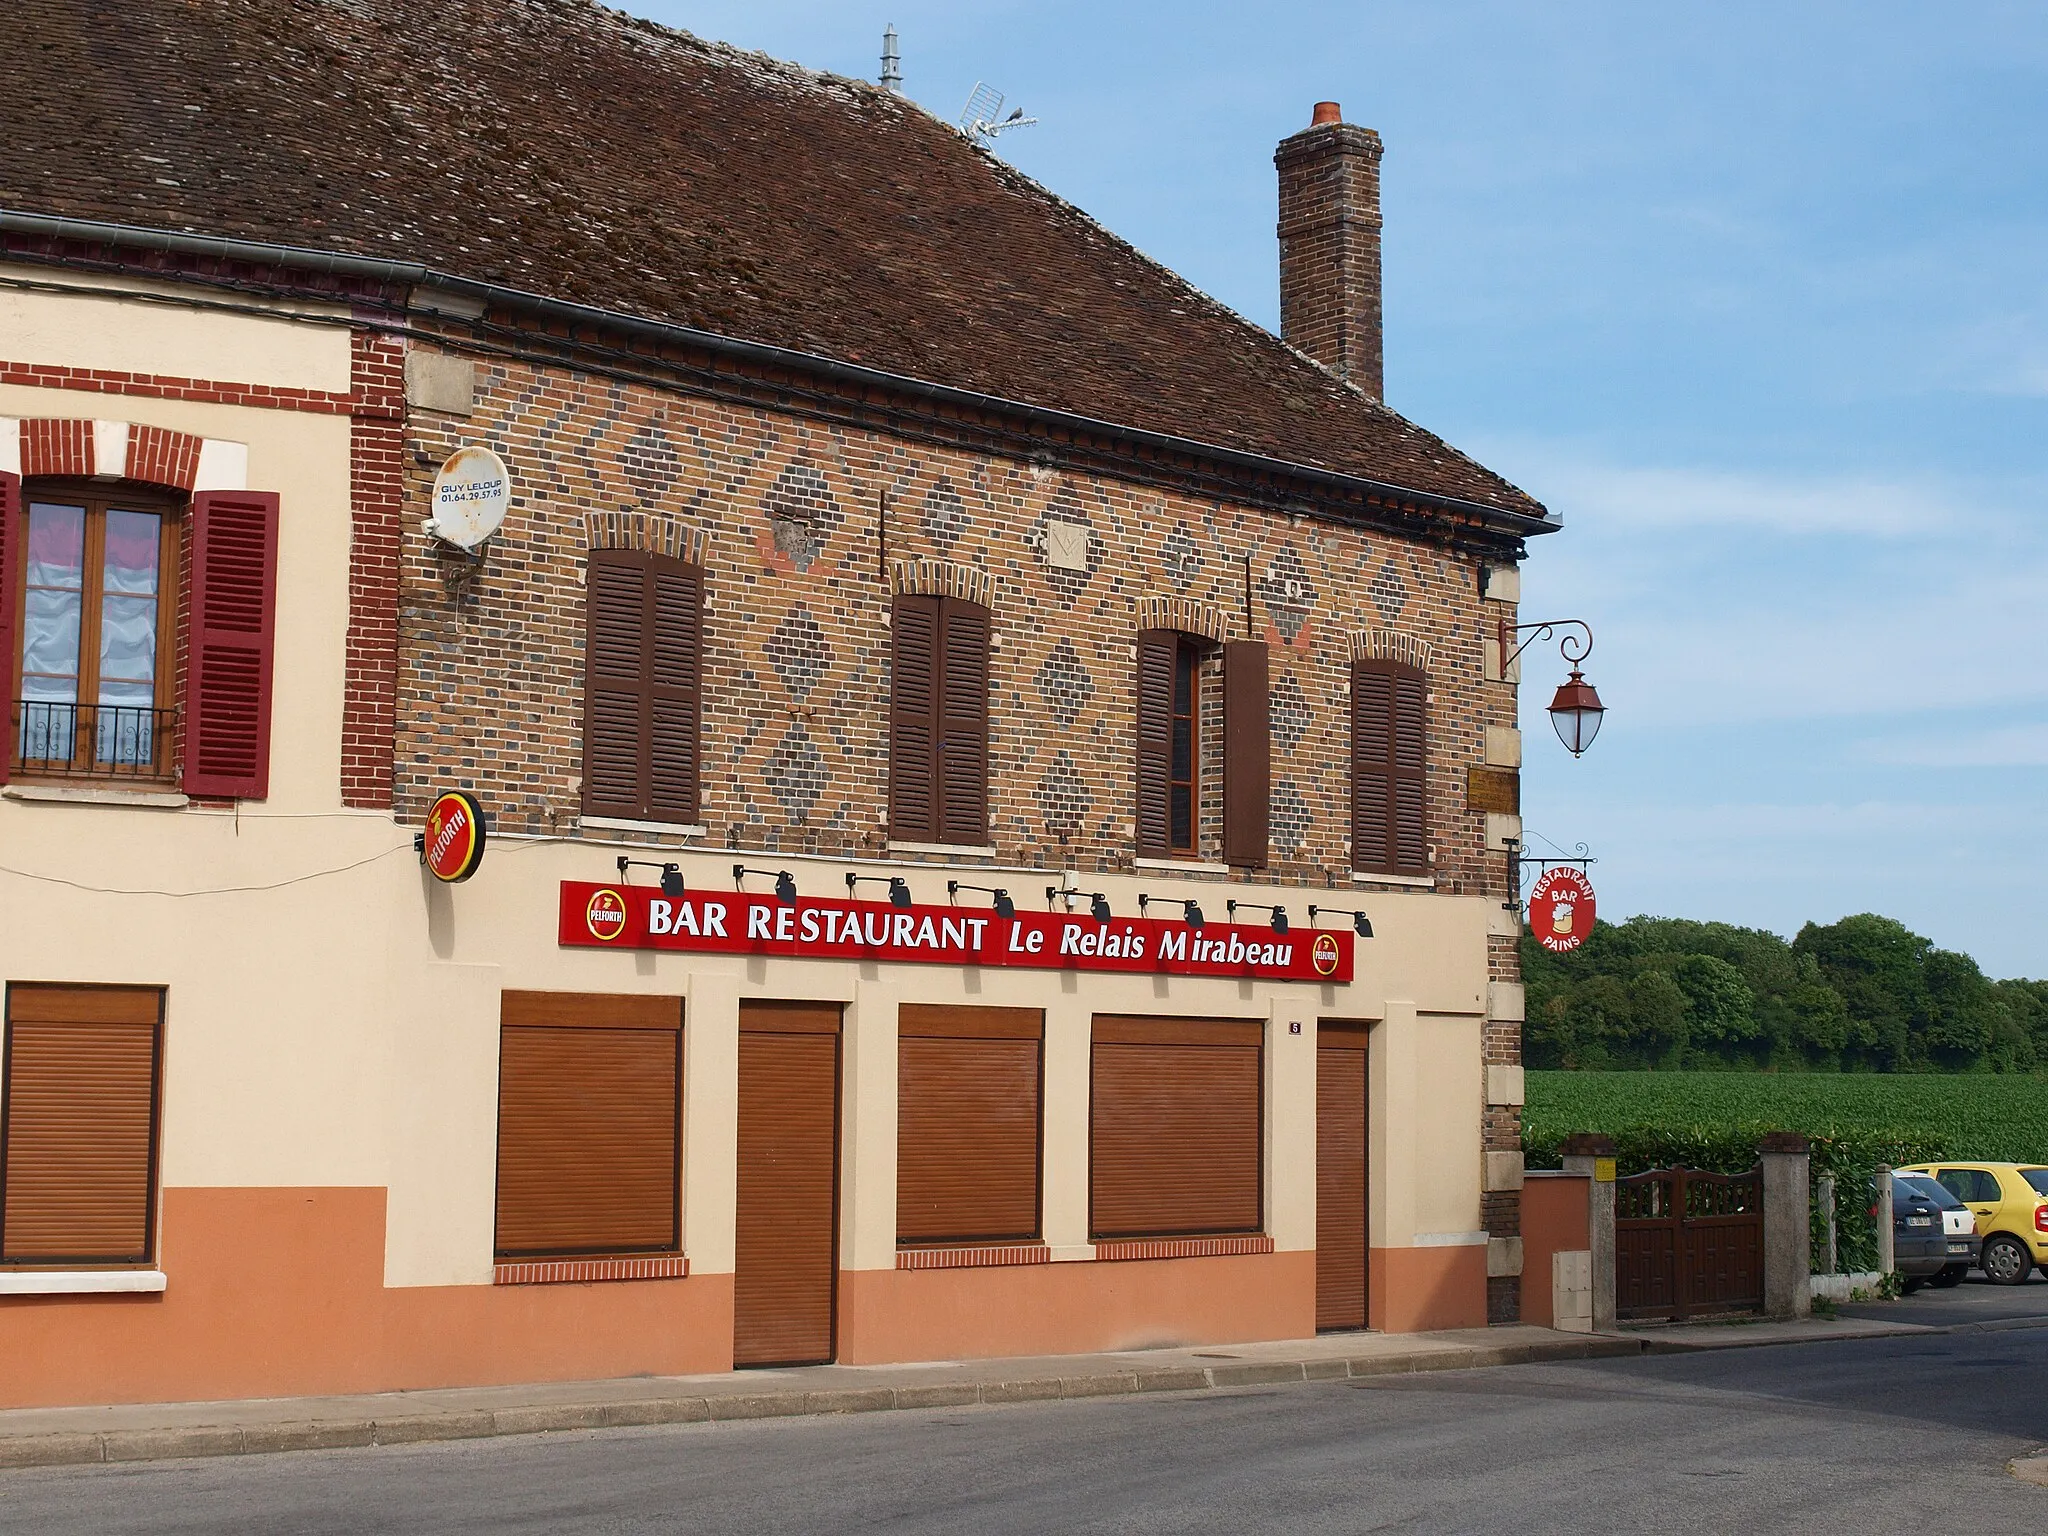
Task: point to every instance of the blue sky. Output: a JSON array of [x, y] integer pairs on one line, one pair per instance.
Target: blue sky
[[1756, 296]]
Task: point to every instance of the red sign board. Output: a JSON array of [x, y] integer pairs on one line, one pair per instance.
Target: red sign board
[[453, 844], [742, 923], [1561, 909]]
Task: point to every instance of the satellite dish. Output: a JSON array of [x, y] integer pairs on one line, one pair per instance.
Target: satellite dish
[[472, 494]]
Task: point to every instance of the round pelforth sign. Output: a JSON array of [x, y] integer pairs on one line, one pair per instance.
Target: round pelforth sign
[[1561, 909], [453, 844]]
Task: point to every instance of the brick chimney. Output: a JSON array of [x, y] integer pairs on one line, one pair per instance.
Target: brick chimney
[[1330, 246]]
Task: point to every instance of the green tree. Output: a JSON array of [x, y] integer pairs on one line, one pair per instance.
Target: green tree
[[1877, 965]]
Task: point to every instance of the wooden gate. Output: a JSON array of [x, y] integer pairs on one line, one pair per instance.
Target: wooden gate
[[1688, 1244]]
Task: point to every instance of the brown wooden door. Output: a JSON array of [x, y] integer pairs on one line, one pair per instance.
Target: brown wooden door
[[788, 1215], [1341, 1260]]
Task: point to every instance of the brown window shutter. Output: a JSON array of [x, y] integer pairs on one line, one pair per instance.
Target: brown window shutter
[[589, 1125], [11, 533], [1389, 768], [963, 722], [676, 692], [967, 1138], [233, 608], [1410, 774], [1157, 649], [1175, 1129], [643, 686], [1247, 754], [78, 1124], [616, 684], [913, 720]]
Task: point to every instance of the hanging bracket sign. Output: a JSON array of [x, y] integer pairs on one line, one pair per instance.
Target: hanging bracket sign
[[742, 923], [1561, 909], [453, 844], [472, 494]]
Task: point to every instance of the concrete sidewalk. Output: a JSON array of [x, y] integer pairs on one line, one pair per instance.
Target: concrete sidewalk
[[153, 1431]]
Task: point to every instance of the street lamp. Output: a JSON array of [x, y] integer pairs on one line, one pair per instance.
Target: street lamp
[[1575, 710]]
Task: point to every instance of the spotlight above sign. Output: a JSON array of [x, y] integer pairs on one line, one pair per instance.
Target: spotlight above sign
[[472, 494]]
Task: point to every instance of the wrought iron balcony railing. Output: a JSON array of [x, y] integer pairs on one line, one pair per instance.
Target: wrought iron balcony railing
[[92, 740]]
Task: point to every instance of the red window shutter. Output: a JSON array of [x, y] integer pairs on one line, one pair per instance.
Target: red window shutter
[[1247, 755], [233, 639], [963, 722], [11, 533], [1389, 769], [1156, 652], [913, 720]]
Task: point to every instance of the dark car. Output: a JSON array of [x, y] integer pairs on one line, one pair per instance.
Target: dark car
[[1931, 1230]]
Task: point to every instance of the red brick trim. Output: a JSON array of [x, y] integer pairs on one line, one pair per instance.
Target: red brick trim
[[53, 445], [369, 709], [163, 457], [1182, 1247], [158, 386], [973, 1258], [668, 1266]]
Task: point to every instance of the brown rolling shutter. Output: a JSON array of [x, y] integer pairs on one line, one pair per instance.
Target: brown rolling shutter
[[589, 1125], [963, 723], [1247, 754], [643, 686], [1156, 652], [233, 639], [967, 1118], [78, 1124], [913, 720], [11, 534], [1341, 1257], [1389, 768], [786, 1227], [1175, 1129]]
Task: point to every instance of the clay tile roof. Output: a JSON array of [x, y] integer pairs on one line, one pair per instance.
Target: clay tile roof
[[570, 151]]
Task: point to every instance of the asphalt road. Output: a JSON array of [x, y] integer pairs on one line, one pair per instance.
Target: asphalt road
[[1872, 1436], [1976, 1300]]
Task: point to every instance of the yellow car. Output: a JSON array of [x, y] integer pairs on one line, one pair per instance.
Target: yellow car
[[2010, 1201]]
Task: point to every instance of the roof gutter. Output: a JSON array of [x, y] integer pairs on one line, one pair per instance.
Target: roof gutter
[[416, 274]]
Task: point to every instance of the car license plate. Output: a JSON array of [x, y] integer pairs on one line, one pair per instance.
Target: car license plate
[[1919, 1221], [1955, 1247]]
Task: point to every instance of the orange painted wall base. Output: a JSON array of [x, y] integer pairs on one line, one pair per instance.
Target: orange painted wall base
[[1061, 1309], [280, 1292], [1555, 1220], [1417, 1290]]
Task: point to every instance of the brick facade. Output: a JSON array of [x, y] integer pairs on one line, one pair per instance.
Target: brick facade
[[806, 529], [376, 493]]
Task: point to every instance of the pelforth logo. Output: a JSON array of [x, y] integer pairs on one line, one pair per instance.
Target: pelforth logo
[[453, 844], [1325, 954], [605, 915]]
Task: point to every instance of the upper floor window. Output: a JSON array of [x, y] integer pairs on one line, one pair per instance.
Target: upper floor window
[[98, 605], [93, 580], [1389, 768], [1177, 779], [938, 721], [643, 661]]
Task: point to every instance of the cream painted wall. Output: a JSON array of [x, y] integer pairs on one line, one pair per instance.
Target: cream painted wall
[[305, 459], [91, 326]]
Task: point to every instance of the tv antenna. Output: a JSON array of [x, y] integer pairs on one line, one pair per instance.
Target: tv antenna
[[982, 117]]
